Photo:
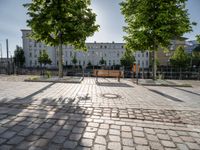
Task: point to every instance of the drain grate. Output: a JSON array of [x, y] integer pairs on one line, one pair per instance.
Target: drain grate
[[111, 96]]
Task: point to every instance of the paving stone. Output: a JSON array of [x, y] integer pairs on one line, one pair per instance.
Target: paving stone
[[114, 132], [39, 131], [127, 142], [70, 144], [141, 147], [114, 146], [32, 138], [163, 136], [15, 140], [46, 125], [92, 124], [115, 127], [138, 128], [2, 129], [89, 135], [86, 142], [49, 134], [149, 131], [99, 147], [102, 132], [59, 139], [141, 141], [2, 140], [24, 145], [193, 146], [128, 148], [187, 139], [126, 128], [138, 133], [182, 146], [100, 140], [56, 128], [63, 132], [114, 138], [75, 137], [91, 129], [172, 133], [168, 143], [104, 126], [126, 134], [77, 130], [17, 128], [41, 143], [54, 147], [6, 147], [25, 132], [177, 140], [8, 134], [156, 145], [151, 137]]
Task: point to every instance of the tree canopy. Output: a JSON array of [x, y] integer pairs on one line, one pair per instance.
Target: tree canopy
[[19, 57], [151, 24], [102, 61], [44, 58], [74, 20], [57, 22], [198, 38], [127, 59], [74, 60], [180, 58]]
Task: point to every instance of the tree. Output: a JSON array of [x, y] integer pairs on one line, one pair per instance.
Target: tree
[[44, 58], [180, 58], [152, 24], [196, 56], [198, 38], [74, 60], [102, 61], [127, 59], [19, 58], [57, 22]]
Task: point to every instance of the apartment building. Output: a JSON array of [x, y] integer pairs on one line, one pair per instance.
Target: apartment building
[[110, 52]]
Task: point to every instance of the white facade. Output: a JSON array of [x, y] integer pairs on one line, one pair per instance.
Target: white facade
[[111, 53]]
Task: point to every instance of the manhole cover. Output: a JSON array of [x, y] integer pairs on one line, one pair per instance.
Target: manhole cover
[[111, 96]]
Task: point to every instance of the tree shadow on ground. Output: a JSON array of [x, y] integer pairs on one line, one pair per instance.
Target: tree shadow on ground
[[48, 124], [113, 84]]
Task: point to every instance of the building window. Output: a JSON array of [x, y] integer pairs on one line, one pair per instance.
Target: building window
[[138, 55], [122, 46], [101, 46], [30, 62], [147, 63], [118, 54], [105, 55], [105, 46], [70, 54], [142, 63], [138, 62], [142, 54], [113, 62], [35, 62], [30, 54], [66, 54], [147, 54], [109, 62], [66, 63]]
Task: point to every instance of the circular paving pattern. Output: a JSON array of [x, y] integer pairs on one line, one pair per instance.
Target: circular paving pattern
[[110, 96]]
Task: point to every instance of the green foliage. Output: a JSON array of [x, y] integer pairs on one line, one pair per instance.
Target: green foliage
[[73, 21], [74, 60], [127, 59], [198, 38], [180, 58], [89, 64], [102, 61], [44, 58], [19, 57], [196, 56], [151, 23], [57, 22], [48, 74]]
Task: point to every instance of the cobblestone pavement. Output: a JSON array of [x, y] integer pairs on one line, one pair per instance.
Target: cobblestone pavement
[[103, 115]]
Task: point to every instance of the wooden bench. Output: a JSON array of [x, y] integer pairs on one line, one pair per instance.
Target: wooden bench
[[108, 73]]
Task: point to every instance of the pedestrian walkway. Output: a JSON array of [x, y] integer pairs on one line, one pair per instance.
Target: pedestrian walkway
[[98, 115]]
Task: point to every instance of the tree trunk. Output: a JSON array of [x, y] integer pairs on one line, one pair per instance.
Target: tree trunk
[[60, 65], [154, 64]]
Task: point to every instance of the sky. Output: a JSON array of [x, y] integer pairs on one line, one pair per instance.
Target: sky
[[13, 18]]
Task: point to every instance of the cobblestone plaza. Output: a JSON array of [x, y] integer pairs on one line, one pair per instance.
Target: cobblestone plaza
[[103, 115]]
